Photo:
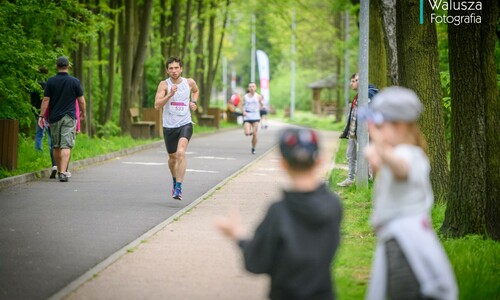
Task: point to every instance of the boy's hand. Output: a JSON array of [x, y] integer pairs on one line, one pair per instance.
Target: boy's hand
[[231, 225]]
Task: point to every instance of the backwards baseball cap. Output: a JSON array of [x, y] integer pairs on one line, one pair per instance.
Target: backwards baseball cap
[[62, 61], [299, 147], [394, 103]]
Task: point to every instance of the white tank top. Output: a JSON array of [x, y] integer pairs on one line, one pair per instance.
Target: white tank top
[[176, 112], [251, 107]]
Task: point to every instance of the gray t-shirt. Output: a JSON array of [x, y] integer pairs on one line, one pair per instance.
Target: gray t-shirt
[[394, 198]]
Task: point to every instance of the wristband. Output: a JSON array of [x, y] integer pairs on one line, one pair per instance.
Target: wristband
[[194, 102], [41, 117]]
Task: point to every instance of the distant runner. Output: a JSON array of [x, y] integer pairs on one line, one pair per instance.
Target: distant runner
[[252, 104], [173, 95]]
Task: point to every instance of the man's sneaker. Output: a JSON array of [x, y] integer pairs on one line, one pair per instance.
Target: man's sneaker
[[177, 194], [68, 174], [54, 172], [346, 182], [253, 150], [63, 177]]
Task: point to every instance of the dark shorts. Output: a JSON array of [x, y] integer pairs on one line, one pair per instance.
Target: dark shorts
[[263, 112], [173, 135], [251, 121]]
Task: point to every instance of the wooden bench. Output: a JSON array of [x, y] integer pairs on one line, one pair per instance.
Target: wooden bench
[[141, 129], [211, 118], [153, 115]]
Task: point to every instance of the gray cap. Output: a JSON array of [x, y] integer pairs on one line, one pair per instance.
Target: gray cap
[[394, 103], [62, 61]]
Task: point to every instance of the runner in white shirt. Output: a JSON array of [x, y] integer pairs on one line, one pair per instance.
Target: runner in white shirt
[[173, 95], [252, 104]]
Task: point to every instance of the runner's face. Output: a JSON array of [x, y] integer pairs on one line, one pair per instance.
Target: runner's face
[[174, 70], [252, 88]]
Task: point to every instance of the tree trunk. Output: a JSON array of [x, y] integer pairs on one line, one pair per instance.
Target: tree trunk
[[388, 13], [187, 33], [491, 12], [474, 182], [89, 100], [419, 70], [377, 72], [173, 45], [163, 36], [199, 71], [207, 89], [126, 33], [111, 66]]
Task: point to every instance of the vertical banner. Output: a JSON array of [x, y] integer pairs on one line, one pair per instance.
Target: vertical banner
[[263, 63]]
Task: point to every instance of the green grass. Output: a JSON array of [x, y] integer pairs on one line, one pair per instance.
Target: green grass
[[474, 259], [29, 160], [310, 120]]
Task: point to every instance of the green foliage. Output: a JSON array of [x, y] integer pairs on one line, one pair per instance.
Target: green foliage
[[308, 119], [33, 33], [110, 129]]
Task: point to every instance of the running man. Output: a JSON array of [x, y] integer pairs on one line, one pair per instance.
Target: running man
[[177, 96], [252, 104]]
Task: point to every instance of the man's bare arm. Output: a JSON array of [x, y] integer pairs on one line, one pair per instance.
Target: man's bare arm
[[162, 96], [82, 105]]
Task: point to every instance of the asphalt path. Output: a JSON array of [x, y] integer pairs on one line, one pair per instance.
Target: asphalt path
[[52, 232]]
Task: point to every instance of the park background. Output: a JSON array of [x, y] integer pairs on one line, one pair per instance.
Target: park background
[[118, 51]]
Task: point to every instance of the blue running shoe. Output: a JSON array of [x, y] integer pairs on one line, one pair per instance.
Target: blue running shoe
[[177, 194]]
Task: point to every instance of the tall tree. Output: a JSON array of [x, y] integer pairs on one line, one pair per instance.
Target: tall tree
[[111, 63], [133, 49], [388, 13], [473, 205], [377, 71], [198, 69], [418, 67], [186, 37]]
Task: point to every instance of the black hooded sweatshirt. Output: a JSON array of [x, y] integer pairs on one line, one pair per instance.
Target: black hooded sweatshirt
[[295, 244]]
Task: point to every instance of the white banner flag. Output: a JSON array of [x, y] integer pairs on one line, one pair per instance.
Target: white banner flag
[[263, 63]]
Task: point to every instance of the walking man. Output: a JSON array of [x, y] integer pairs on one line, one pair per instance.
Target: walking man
[[252, 104], [60, 93], [177, 96]]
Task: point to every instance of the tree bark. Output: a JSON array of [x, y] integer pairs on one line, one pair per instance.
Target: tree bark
[[126, 33], [419, 70], [199, 71], [489, 30], [111, 65], [187, 34], [474, 188], [377, 72], [173, 45], [388, 13]]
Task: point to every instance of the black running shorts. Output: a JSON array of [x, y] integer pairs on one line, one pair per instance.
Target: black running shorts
[[173, 135]]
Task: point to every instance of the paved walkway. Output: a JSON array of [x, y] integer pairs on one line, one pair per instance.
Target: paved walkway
[[188, 258]]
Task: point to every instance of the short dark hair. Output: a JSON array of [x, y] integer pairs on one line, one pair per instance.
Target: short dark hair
[[354, 75], [172, 59]]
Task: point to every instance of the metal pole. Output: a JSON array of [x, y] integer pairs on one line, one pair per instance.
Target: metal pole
[[252, 58], [224, 80], [346, 63], [292, 84], [362, 130]]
